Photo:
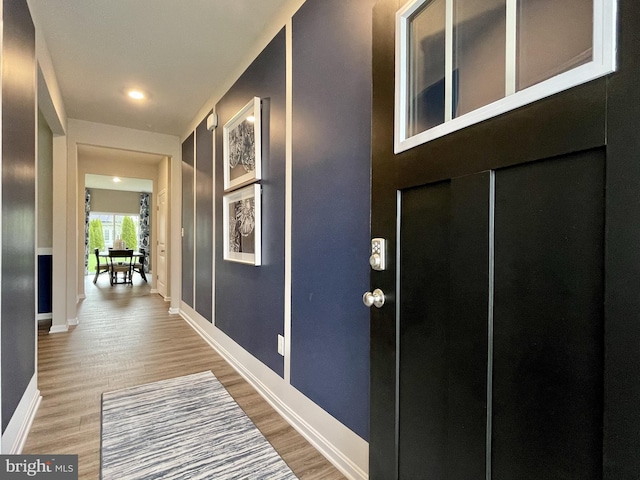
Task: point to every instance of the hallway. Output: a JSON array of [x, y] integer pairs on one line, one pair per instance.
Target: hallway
[[127, 337]]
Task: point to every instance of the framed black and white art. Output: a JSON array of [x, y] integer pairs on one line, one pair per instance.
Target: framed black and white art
[[242, 237], [242, 142]]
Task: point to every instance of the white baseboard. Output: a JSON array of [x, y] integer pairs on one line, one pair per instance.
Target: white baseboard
[[44, 316], [174, 311], [153, 290], [348, 452], [73, 321], [15, 435], [59, 329]]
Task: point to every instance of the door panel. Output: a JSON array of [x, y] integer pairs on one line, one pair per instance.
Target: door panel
[[469, 303], [548, 344], [444, 288], [516, 304], [424, 266], [161, 256]]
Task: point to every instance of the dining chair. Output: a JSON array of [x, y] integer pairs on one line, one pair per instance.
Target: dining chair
[[139, 264], [121, 261], [100, 268]]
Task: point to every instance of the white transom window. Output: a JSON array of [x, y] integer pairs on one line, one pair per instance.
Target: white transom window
[[459, 62]]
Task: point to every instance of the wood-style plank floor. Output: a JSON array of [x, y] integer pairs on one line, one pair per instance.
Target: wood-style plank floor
[[126, 337]]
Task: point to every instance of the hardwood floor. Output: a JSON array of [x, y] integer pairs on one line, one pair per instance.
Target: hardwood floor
[[126, 337]]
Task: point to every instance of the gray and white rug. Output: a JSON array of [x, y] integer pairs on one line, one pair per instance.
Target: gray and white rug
[[183, 428]]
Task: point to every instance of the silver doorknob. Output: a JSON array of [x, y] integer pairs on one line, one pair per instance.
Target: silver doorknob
[[373, 299], [375, 261]]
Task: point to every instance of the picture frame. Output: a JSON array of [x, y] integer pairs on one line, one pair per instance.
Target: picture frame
[[242, 146], [242, 225]]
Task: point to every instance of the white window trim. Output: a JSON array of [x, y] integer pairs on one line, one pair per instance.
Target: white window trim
[[603, 63]]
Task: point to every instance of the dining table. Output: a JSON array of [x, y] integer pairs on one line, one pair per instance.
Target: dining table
[[135, 255]]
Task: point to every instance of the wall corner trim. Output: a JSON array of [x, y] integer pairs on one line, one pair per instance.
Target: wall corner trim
[[17, 430]]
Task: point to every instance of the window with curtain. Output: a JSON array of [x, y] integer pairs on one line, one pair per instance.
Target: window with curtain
[[103, 230]]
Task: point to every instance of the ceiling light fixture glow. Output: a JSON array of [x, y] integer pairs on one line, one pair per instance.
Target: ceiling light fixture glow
[[136, 94], [116, 180]]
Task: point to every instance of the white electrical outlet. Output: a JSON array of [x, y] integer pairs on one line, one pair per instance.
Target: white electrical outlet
[[281, 345]]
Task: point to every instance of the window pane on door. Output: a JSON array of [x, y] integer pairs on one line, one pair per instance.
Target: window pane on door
[[426, 64], [553, 37], [479, 37]]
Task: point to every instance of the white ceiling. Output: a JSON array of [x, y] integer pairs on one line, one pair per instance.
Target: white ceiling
[[126, 184], [110, 155], [177, 51]]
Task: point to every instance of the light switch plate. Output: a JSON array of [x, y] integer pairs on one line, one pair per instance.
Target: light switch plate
[[281, 345]]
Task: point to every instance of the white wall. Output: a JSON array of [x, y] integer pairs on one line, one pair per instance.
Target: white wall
[[115, 201], [45, 183], [53, 110], [49, 95]]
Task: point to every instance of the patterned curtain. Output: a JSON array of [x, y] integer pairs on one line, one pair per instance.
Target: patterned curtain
[[87, 211], [144, 239]]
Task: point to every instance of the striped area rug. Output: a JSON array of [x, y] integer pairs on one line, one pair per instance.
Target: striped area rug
[[183, 428]]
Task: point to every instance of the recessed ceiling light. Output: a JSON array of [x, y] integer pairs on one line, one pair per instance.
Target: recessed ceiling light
[[251, 119], [116, 180], [136, 94]]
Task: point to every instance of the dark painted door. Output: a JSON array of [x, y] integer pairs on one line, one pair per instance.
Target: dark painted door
[[487, 357]]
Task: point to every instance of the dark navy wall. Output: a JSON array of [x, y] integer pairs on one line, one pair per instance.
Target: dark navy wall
[[331, 196], [188, 152], [204, 220], [249, 299], [45, 283], [18, 205]]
